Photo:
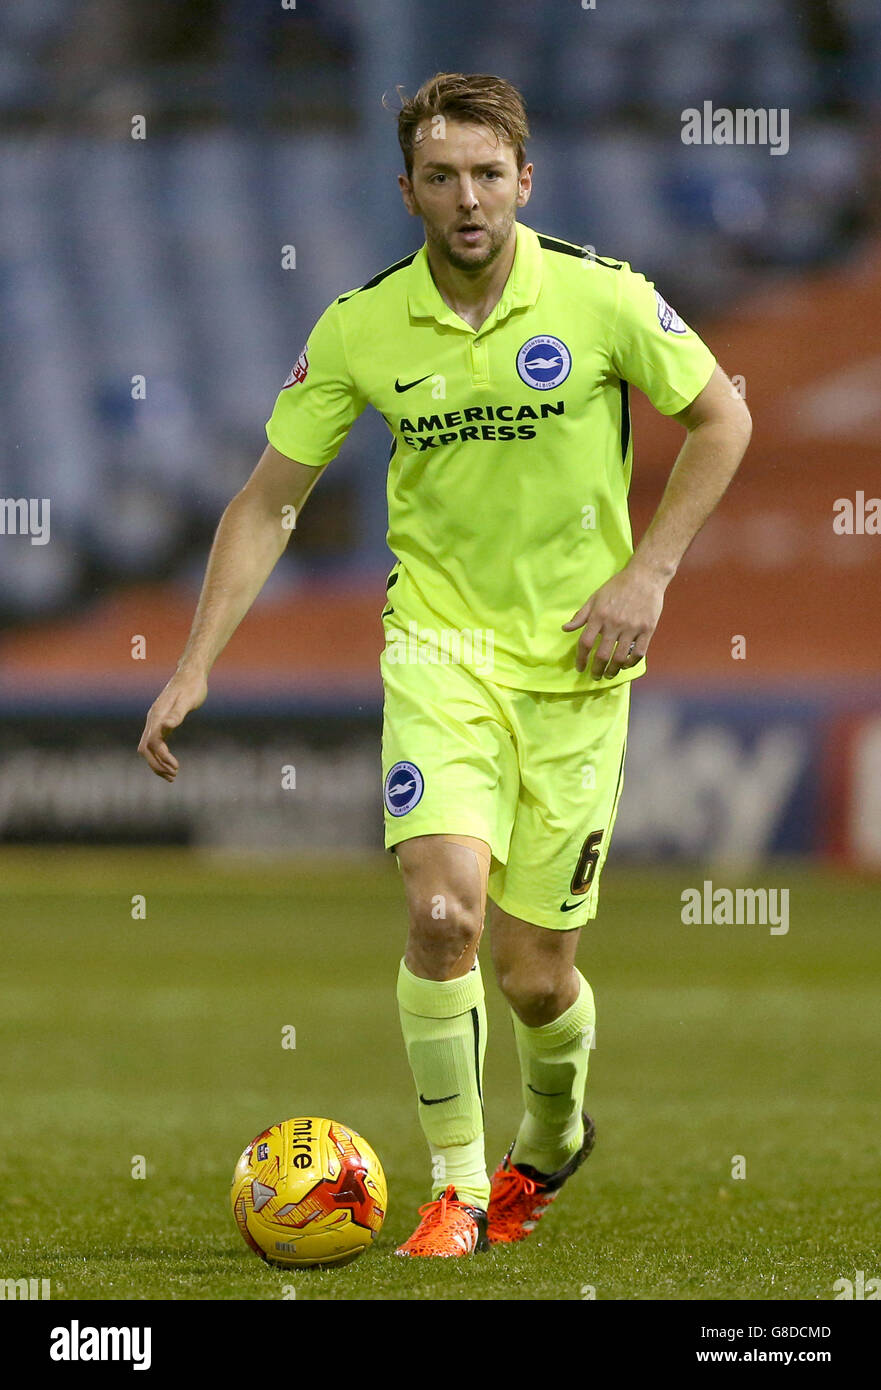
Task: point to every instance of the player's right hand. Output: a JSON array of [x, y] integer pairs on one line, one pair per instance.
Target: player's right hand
[[183, 693]]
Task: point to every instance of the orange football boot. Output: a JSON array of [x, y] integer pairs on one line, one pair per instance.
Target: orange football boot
[[521, 1195], [448, 1228]]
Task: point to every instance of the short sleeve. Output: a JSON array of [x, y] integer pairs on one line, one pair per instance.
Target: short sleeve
[[655, 349], [319, 402]]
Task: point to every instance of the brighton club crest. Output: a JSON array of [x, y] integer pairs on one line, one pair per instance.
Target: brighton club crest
[[403, 788], [544, 362]]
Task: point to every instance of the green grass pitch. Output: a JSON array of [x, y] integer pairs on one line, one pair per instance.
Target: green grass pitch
[[162, 1038]]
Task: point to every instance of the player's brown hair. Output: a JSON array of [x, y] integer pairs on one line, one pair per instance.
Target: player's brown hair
[[475, 98]]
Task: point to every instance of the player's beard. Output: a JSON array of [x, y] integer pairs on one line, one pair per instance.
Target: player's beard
[[497, 237]]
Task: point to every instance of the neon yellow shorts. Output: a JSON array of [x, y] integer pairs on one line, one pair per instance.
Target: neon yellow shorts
[[536, 775]]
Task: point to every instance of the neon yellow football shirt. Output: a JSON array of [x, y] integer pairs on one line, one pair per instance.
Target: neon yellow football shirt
[[512, 452]]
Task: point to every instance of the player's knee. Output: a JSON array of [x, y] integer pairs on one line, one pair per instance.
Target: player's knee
[[444, 932], [536, 997]]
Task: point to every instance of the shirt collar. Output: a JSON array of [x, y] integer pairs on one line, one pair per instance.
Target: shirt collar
[[520, 290]]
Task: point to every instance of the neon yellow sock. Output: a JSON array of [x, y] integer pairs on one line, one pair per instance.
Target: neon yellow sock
[[553, 1065], [444, 1027]]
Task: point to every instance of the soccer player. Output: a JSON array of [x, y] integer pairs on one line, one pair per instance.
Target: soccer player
[[518, 613]]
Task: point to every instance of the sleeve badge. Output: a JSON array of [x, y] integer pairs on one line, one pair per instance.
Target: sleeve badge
[[298, 372]]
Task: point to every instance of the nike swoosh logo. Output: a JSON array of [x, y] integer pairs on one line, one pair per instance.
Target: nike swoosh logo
[[546, 1093], [569, 907], [440, 1100], [410, 384]]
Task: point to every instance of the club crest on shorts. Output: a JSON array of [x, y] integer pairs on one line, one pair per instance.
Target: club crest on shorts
[[403, 788], [297, 372], [668, 318], [544, 362]]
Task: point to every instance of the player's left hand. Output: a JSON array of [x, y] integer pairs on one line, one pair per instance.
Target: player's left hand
[[623, 614]]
